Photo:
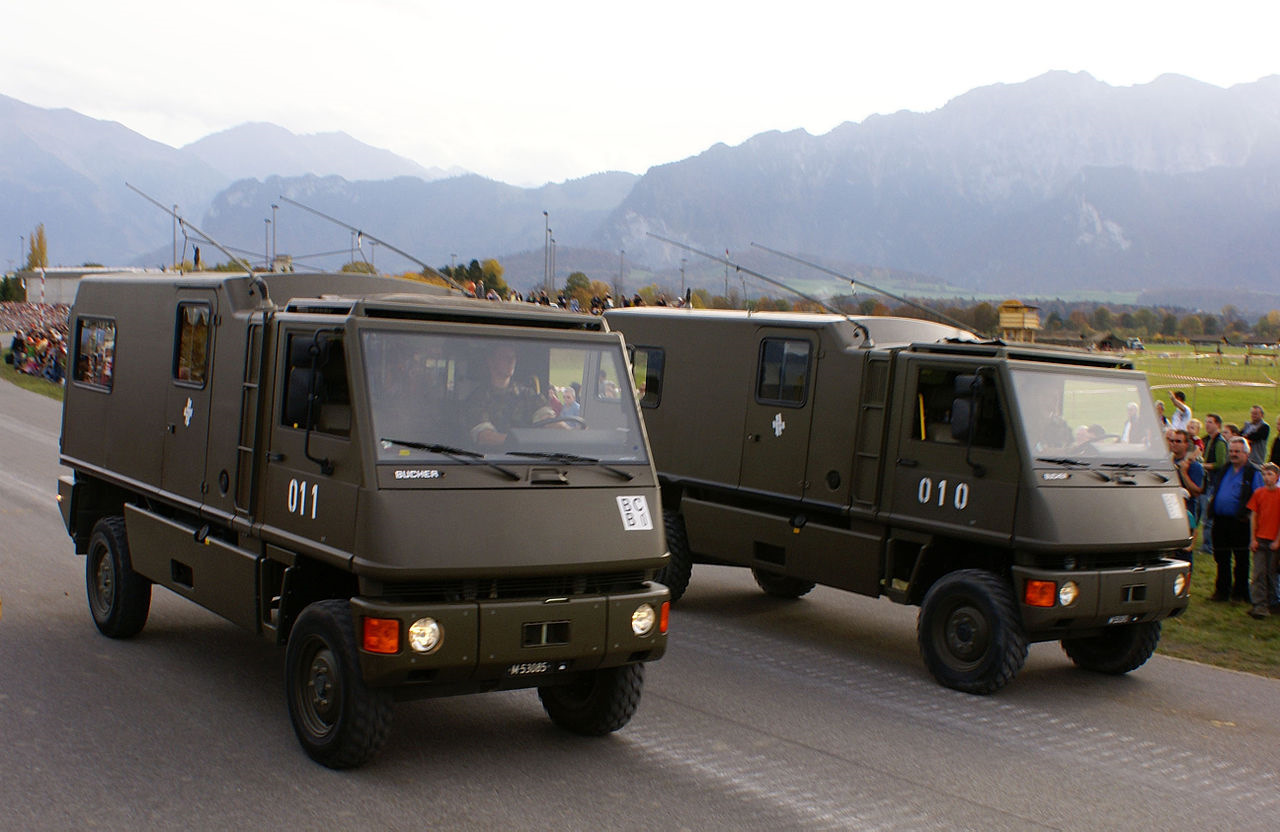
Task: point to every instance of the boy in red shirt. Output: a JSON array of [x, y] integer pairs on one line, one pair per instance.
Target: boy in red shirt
[[1264, 541]]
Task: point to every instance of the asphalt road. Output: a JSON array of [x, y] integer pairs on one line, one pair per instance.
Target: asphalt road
[[765, 714]]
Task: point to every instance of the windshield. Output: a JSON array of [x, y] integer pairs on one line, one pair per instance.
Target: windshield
[[1089, 418], [444, 397]]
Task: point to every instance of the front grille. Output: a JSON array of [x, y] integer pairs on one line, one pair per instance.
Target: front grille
[[559, 586], [1098, 560]]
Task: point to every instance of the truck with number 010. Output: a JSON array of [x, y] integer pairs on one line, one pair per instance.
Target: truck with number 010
[[414, 492], [1015, 493]]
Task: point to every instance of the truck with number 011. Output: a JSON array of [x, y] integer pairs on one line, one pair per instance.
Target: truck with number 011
[[414, 492], [1015, 493]]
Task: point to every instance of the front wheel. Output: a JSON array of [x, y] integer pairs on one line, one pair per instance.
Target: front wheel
[[340, 721], [599, 702], [675, 575], [119, 598], [1117, 650], [781, 586], [970, 633]]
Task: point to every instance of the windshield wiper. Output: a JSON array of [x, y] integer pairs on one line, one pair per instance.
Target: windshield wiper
[[563, 457], [1060, 460], [457, 454], [1124, 465]]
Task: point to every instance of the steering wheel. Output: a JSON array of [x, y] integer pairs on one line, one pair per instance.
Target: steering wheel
[[577, 421]]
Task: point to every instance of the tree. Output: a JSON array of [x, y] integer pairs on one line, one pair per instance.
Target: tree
[[1102, 319], [1269, 326], [11, 289], [359, 267], [1169, 325], [491, 272], [1191, 326], [1212, 326], [985, 318], [37, 249]]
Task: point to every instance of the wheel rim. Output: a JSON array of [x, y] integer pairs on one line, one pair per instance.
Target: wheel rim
[[102, 586], [319, 697], [965, 636]]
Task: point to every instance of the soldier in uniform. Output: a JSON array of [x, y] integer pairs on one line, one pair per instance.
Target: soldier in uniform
[[504, 403]]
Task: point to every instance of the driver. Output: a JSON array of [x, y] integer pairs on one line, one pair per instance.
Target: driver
[[494, 409]]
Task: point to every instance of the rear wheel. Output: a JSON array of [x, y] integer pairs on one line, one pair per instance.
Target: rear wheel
[[598, 702], [340, 721], [1117, 650], [781, 586], [119, 598], [675, 575], [970, 633]]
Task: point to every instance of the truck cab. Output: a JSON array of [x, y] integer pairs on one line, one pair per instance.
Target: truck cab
[[1014, 493]]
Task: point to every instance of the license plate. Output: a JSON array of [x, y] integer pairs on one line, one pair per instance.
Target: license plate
[[535, 668], [1121, 619]]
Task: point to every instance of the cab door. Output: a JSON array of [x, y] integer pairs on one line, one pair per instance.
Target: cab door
[[779, 412], [955, 470], [189, 393]]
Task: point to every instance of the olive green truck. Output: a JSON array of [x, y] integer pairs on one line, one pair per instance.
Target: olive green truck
[[416, 493], [1015, 493]]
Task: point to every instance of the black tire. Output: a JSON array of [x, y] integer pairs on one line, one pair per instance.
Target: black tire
[[679, 569], [1116, 651], [119, 598], [781, 586], [599, 702], [340, 721], [970, 632]]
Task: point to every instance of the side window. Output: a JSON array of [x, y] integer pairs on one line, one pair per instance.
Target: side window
[[320, 378], [95, 352], [784, 372], [646, 366], [191, 345], [952, 402]]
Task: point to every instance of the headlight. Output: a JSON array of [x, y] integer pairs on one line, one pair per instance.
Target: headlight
[[425, 635], [1068, 593], [643, 619], [1179, 584]]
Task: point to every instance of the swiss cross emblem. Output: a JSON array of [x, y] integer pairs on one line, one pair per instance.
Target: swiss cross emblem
[[778, 425], [187, 413]]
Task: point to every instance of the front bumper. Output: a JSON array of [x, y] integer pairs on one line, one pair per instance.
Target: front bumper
[[1107, 597], [516, 643]]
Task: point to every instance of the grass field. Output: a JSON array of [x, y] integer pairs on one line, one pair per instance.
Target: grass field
[[26, 382]]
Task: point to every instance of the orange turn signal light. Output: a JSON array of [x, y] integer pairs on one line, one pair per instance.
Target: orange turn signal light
[[1040, 593], [380, 635], [663, 616]]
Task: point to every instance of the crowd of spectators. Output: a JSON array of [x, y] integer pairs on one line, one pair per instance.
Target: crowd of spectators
[[39, 343], [1233, 497]]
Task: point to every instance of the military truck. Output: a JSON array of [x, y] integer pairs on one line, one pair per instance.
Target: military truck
[[904, 458], [380, 476]]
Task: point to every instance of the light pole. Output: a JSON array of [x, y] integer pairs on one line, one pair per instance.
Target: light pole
[[174, 265], [621, 254], [22, 248], [275, 252], [553, 267], [546, 251], [683, 260], [266, 245]]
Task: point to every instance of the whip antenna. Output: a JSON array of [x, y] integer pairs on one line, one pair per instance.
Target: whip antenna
[[365, 234]]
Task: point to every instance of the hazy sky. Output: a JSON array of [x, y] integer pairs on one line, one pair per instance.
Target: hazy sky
[[533, 92]]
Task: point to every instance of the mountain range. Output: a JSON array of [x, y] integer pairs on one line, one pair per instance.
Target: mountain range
[[1058, 185]]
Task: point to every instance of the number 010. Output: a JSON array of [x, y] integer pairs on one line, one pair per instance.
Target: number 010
[[959, 494]]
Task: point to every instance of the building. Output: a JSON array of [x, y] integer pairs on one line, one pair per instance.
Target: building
[[1018, 322]]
